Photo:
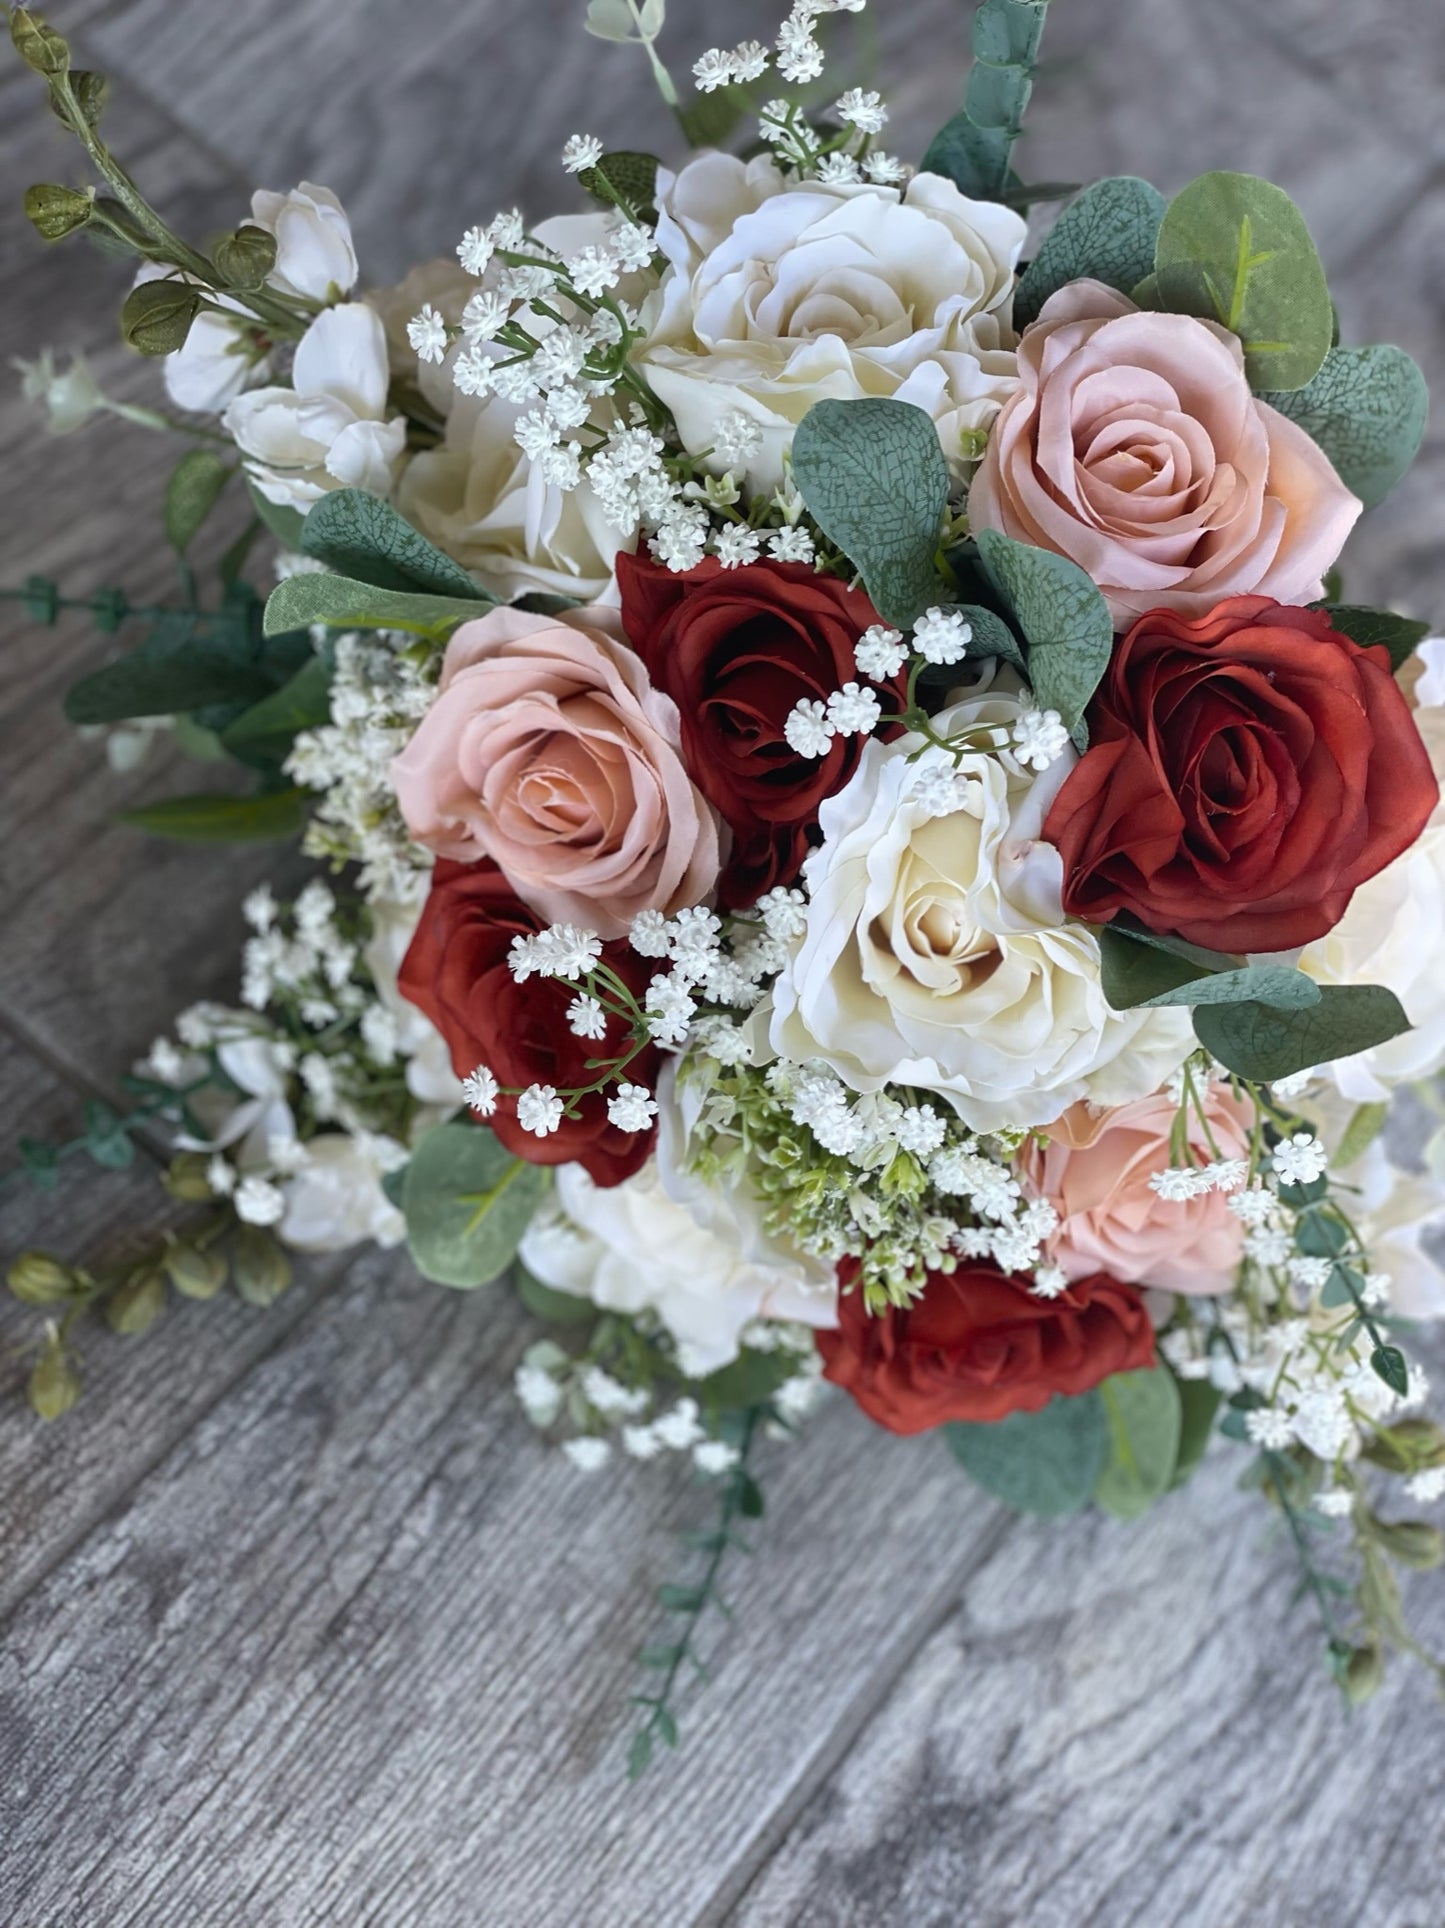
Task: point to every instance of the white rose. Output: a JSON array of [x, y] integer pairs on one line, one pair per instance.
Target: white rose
[[490, 508], [429, 1074], [631, 1248], [328, 430], [1394, 934], [937, 954], [314, 254], [780, 295], [1402, 1225], [336, 1198]]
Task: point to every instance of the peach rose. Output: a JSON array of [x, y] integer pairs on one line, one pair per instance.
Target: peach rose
[[1095, 1171], [1134, 447], [549, 751]]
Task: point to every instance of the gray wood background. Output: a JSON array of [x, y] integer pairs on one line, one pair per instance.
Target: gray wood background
[[301, 1623]]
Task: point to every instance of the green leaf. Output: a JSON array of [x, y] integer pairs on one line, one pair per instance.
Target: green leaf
[[680, 1599], [1400, 635], [1198, 1405], [106, 1140], [269, 728], [974, 149], [1109, 234], [546, 1302], [1319, 1236], [221, 819], [41, 1163], [708, 119], [339, 603], [1136, 974], [1367, 409], [750, 1380], [1262, 1044], [468, 1202], [639, 1754], [1388, 1363], [1065, 621], [623, 180], [1145, 1420], [1365, 1126], [192, 492], [873, 476], [186, 662], [1236, 249], [284, 522], [1046, 1462], [361, 536]]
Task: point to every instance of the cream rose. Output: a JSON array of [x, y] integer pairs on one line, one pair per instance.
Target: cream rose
[[1095, 1172], [429, 1074], [937, 954], [335, 1199], [778, 296], [1394, 934], [315, 257], [549, 751], [1134, 447], [631, 1248]]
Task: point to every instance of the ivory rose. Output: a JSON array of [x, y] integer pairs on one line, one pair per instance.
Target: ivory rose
[[1134, 447], [314, 254], [1095, 1172], [632, 1248], [1394, 933], [549, 751], [936, 952], [775, 300]]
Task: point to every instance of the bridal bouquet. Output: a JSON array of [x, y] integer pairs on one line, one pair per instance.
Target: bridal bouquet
[[865, 844]]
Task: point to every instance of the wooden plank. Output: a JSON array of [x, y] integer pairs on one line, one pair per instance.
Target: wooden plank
[[141, 1394], [1127, 1727], [360, 1649]]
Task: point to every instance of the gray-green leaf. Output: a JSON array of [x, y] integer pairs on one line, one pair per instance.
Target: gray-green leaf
[[1145, 1422], [1400, 635], [1045, 1462], [192, 492], [1367, 409], [467, 1202], [1262, 1044], [873, 476], [221, 819], [340, 603], [1136, 974], [1236, 249], [1108, 234], [1065, 621], [361, 536]]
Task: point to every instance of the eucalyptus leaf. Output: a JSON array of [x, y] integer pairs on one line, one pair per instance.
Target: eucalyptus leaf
[[546, 1302], [1236, 249], [360, 536], [284, 522], [222, 819], [1136, 976], [269, 728], [1199, 1403], [1065, 621], [1367, 1121], [1046, 1462], [1145, 1422], [1262, 1044], [617, 20], [194, 488], [1400, 635], [340, 603], [624, 180], [467, 1202], [1108, 234], [182, 665], [749, 1380], [875, 481], [1367, 409]]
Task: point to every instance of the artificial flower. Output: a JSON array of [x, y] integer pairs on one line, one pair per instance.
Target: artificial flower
[[549, 751], [1134, 447], [336, 1199], [632, 1248], [1247, 772], [330, 429], [737, 650], [1094, 1166], [429, 1074], [979, 1345], [315, 258], [936, 952], [778, 296], [457, 974]]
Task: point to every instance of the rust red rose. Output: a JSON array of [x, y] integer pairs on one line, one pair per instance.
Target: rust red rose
[[1247, 772], [979, 1345], [455, 971], [736, 650]]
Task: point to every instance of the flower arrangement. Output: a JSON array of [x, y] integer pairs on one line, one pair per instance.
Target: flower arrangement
[[864, 845]]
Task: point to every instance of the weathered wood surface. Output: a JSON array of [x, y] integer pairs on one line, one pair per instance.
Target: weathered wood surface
[[305, 1625]]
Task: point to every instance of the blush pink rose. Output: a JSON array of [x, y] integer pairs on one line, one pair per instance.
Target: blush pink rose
[[549, 751], [1095, 1171], [1134, 447]]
